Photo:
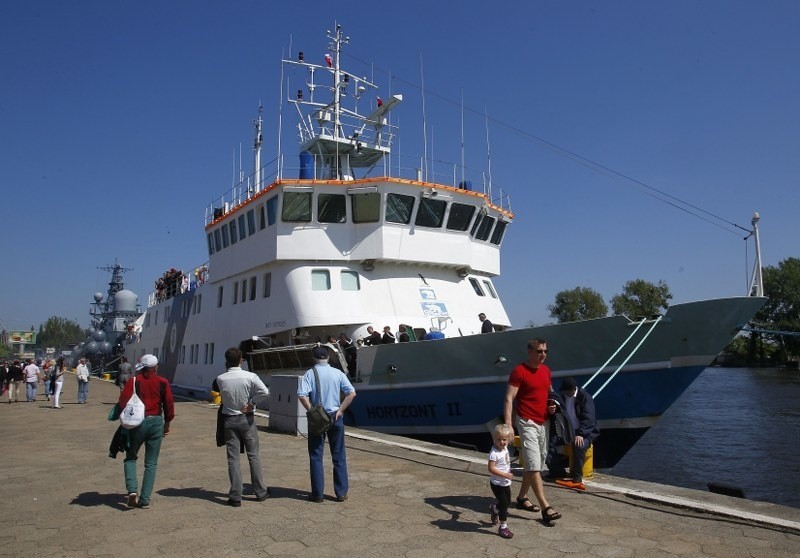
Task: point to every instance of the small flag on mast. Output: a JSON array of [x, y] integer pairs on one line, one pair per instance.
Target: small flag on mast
[[328, 60]]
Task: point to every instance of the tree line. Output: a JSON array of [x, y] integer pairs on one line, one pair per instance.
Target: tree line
[[776, 341]]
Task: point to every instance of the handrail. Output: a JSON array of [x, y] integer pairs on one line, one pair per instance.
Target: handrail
[[624, 362], [589, 381]]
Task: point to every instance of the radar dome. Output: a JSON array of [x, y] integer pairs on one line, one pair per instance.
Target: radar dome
[[105, 347], [92, 347], [125, 301], [99, 336], [98, 297]]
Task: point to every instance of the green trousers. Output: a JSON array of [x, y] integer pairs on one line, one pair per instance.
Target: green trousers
[[149, 433]]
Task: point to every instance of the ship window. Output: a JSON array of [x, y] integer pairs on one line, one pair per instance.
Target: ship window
[[267, 284], [155, 318], [331, 208], [253, 288], [366, 207], [234, 236], [210, 243], [296, 206], [320, 280], [484, 228], [198, 300], [244, 290], [217, 240], [477, 223], [251, 222], [476, 286], [147, 319], [272, 210], [460, 216], [489, 288], [430, 212], [350, 281], [183, 354], [191, 354], [205, 353], [242, 231], [235, 292], [219, 297], [211, 358], [499, 231], [399, 208], [262, 218]]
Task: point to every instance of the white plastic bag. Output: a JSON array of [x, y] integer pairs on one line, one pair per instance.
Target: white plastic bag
[[133, 413]]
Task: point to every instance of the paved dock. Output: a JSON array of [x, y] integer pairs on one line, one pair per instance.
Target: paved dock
[[61, 495]]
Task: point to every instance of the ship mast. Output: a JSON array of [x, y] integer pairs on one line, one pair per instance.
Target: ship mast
[[257, 149], [757, 282]]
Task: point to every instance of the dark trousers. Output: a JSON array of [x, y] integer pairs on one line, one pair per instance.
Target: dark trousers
[[503, 495]]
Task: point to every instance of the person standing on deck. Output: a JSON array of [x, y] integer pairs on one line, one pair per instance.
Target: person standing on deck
[[486, 325]]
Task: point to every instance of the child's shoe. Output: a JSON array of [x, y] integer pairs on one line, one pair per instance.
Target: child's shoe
[[505, 533], [495, 514]]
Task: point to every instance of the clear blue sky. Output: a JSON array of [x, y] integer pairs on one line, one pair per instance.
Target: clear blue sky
[[119, 122]]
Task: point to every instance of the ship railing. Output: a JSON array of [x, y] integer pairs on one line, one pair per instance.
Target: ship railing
[[189, 281], [417, 169]]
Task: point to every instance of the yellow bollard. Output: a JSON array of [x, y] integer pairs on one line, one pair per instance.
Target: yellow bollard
[[216, 398], [588, 465], [106, 376]]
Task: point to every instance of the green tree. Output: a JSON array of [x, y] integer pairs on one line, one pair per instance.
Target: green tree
[[580, 303], [59, 333], [641, 299], [782, 309]]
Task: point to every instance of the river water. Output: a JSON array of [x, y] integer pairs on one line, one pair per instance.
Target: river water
[[734, 426]]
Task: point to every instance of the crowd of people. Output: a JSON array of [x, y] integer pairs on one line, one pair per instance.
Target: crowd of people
[[47, 374]]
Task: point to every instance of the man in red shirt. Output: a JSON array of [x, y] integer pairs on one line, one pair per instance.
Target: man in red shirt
[[159, 410], [529, 386]]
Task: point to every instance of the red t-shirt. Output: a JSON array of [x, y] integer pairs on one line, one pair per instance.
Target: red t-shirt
[[150, 390], [534, 387]]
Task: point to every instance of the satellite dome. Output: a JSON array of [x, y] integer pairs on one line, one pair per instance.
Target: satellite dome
[[99, 336], [98, 296], [92, 347], [125, 301]]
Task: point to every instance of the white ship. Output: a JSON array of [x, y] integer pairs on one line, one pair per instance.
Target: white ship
[[298, 255]]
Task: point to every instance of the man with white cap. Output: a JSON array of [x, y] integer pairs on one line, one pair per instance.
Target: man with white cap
[[328, 392], [159, 411]]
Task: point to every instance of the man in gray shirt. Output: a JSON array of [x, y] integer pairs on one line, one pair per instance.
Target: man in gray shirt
[[241, 391]]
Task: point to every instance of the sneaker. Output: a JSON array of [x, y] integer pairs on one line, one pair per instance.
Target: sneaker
[[132, 500], [571, 484], [264, 497], [143, 505], [495, 514], [234, 503], [505, 533], [341, 498]]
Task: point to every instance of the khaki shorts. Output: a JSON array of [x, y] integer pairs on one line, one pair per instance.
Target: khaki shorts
[[534, 443]]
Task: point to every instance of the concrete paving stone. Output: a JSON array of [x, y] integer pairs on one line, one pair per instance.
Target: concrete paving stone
[[403, 501]]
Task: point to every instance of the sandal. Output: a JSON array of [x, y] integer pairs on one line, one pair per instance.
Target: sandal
[[549, 514], [522, 503], [505, 533]]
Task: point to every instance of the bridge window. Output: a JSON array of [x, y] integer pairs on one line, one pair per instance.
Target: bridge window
[[242, 231], [262, 218], [430, 212], [399, 208], [366, 207], [320, 280], [331, 208], [234, 234], [272, 210], [499, 231], [484, 228], [251, 222], [489, 288], [296, 207], [350, 281], [217, 240], [210, 243], [460, 216]]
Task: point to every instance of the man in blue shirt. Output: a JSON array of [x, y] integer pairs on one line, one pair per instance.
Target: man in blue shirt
[[332, 384]]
